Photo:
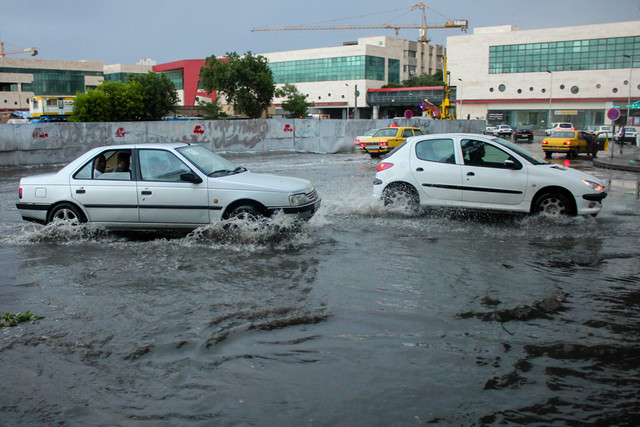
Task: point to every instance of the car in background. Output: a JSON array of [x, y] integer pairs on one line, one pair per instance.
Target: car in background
[[176, 186], [503, 130], [488, 130], [603, 132], [523, 132], [386, 139], [555, 127], [470, 171], [571, 143], [630, 133], [368, 134]]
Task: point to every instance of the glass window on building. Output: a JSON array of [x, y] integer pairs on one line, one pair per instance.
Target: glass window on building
[[177, 77], [394, 70]]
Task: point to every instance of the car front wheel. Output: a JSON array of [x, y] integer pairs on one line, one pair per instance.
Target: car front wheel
[[66, 213], [401, 195], [553, 204]]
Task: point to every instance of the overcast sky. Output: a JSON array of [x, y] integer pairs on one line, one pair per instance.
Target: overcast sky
[[119, 31]]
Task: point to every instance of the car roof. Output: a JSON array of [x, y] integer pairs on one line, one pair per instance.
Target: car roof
[[143, 145]]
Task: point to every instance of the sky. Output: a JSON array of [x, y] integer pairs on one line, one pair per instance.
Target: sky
[[125, 31]]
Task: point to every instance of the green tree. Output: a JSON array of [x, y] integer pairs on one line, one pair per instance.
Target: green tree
[[109, 102], [211, 110], [246, 82], [158, 94], [296, 103], [144, 97], [422, 80]]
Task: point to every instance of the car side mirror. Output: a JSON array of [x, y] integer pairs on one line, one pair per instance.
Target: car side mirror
[[510, 164], [190, 177]]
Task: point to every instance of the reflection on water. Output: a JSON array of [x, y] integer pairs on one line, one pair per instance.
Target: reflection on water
[[360, 316]]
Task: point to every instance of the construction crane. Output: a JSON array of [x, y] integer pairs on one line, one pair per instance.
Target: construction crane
[[32, 50], [462, 24]]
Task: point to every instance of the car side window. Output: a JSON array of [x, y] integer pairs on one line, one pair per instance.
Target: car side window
[[407, 133], [161, 165], [97, 166], [479, 153], [436, 150]]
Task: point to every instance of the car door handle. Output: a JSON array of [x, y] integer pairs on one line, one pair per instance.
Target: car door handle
[[146, 192], [81, 191], [419, 170], [471, 174]]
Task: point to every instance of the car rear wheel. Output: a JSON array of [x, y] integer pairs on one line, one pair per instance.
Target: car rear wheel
[[66, 213], [553, 204], [401, 195]]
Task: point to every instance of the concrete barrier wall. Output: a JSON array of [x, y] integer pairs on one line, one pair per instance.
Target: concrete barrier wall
[[52, 143]]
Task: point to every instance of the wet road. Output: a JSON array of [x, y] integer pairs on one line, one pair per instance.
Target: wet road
[[360, 317]]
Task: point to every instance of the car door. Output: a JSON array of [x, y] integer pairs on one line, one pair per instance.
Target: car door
[[487, 179], [434, 168], [108, 196], [163, 197]]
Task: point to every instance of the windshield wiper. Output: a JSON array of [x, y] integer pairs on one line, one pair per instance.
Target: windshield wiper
[[239, 169]]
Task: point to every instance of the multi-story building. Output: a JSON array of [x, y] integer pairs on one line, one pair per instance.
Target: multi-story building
[[336, 79], [537, 77]]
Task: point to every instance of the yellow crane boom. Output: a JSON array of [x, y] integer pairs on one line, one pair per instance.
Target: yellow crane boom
[[32, 50], [461, 23]]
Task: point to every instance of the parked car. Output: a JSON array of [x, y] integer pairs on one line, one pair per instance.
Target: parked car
[[603, 132], [366, 135], [630, 133], [386, 139], [523, 132], [503, 130], [570, 143], [163, 186], [471, 171], [489, 130], [557, 127]]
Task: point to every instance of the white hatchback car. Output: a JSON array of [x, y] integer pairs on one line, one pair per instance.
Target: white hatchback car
[[470, 171], [159, 186]]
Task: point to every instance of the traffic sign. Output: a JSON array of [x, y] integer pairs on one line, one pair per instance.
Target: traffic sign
[[613, 114], [408, 114]]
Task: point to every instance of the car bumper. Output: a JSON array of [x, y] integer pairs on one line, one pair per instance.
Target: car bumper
[[301, 212], [36, 212]]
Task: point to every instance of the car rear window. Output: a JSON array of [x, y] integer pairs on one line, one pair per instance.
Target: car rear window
[[565, 125]]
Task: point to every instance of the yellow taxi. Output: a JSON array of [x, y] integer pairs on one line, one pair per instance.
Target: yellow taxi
[[386, 139], [571, 143]]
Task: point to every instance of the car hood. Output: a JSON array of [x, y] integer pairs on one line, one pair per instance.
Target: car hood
[[568, 172], [262, 182]]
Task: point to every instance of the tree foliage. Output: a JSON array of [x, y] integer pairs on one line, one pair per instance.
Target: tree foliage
[[296, 103], [422, 80], [144, 97], [212, 110], [246, 82]]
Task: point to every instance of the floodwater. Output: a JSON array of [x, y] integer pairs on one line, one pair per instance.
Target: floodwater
[[359, 317]]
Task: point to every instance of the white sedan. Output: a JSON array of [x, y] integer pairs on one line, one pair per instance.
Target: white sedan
[[472, 171], [159, 186]]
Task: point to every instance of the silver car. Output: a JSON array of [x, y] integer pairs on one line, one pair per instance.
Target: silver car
[[160, 186]]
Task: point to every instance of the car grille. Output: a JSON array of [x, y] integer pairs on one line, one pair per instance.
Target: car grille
[[312, 195]]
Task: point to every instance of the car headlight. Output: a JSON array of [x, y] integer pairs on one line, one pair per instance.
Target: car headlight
[[299, 199], [593, 185]]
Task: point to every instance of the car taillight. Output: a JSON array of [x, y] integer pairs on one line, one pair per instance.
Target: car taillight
[[566, 143], [383, 166], [19, 193], [383, 144], [363, 144], [357, 141], [573, 129], [545, 142]]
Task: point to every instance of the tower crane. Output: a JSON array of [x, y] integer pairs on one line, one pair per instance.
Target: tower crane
[[32, 50], [463, 24]]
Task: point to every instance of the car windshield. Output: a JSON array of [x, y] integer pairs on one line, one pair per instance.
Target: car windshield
[[208, 161], [386, 132], [521, 152]]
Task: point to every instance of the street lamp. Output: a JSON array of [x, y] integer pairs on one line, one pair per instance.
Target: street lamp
[[550, 92], [460, 97], [629, 98], [347, 85]]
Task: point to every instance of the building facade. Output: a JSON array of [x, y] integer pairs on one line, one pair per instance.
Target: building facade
[[539, 77], [337, 79]]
